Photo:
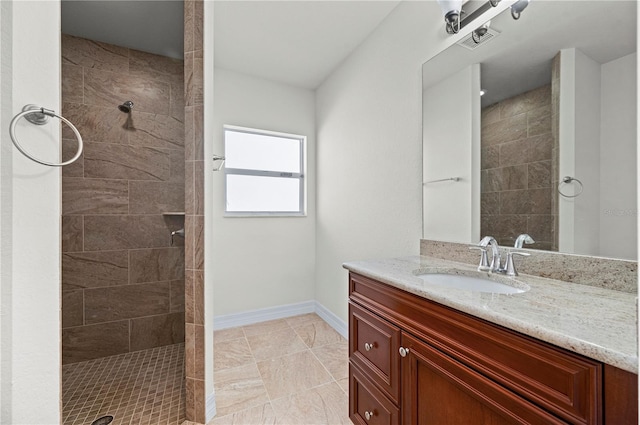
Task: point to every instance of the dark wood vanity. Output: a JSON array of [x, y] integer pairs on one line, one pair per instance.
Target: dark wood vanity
[[414, 361]]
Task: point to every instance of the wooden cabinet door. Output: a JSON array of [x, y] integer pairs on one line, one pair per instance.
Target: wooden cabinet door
[[438, 390]]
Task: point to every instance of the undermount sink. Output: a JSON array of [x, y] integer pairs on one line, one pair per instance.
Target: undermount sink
[[473, 283]]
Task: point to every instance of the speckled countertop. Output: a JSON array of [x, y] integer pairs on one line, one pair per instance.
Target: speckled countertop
[[595, 322]]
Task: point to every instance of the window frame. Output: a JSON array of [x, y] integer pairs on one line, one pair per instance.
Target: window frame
[[302, 202]]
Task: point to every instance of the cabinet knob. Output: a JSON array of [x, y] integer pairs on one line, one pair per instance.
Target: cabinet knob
[[403, 351], [368, 346], [368, 415]]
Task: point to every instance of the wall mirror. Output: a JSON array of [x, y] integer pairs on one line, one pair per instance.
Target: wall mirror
[[559, 101]]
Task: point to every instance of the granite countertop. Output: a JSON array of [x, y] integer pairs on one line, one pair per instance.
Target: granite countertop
[[598, 323]]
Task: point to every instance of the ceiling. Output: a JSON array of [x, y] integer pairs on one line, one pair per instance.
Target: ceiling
[[519, 59], [296, 42]]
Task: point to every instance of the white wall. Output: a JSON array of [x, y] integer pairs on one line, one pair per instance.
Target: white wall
[[451, 148], [618, 186], [264, 261], [30, 217], [369, 120], [579, 152]]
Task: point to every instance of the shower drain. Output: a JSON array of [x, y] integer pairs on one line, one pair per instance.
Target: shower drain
[[103, 420]]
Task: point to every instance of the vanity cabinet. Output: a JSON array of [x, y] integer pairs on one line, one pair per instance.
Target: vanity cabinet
[[414, 361]]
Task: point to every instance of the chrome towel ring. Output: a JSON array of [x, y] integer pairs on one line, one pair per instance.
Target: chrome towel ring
[[31, 114], [567, 180]]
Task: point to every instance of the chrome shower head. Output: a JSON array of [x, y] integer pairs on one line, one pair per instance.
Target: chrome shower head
[[126, 107]]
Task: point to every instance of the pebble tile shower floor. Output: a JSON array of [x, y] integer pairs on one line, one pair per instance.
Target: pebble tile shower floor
[[142, 387]]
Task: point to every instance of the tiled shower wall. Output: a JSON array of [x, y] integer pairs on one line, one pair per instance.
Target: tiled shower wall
[[516, 169], [194, 209], [122, 282]]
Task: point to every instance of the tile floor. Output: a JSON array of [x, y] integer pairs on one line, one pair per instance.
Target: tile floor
[[141, 387], [290, 371]]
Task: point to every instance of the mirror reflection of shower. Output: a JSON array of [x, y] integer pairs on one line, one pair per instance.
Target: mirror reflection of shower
[[127, 107]]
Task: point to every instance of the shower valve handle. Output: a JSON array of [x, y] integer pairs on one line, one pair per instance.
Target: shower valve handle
[[176, 232]]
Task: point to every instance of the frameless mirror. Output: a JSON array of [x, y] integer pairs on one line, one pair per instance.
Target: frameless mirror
[[560, 101]]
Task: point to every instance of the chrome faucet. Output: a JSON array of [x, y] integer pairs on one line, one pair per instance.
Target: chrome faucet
[[522, 239], [496, 261]]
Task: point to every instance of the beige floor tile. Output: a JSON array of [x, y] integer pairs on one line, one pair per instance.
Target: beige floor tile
[[291, 374], [303, 319], [227, 334], [258, 415], [266, 327], [238, 389], [335, 357], [231, 353], [322, 405], [344, 384], [275, 344], [318, 333]]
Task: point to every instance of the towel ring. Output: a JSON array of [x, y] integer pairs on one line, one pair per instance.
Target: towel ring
[[567, 180], [41, 118]]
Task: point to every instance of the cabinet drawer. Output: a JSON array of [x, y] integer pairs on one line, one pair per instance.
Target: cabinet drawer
[[374, 345], [567, 384], [367, 404]]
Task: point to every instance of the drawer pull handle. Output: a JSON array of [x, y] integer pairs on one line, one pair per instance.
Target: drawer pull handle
[[368, 346], [368, 415], [403, 351]]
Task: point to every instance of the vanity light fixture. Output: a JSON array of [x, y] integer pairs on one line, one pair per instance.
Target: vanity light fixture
[[456, 16], [518, 7], [451, 9], [482, 92]]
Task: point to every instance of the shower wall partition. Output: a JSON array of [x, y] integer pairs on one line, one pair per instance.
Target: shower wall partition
[[122, 281]]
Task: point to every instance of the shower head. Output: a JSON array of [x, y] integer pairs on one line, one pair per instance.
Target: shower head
[[126, 107]]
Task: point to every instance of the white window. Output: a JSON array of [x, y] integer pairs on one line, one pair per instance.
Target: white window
[[264, 172]]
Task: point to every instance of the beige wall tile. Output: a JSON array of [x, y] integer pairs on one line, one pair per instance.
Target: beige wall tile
[[97, 124], [189, 350], [72, 84], [105, 88], [176, 157], [112, 232], [198, 195], [148, 197], [156, 331], [148, 65], [188, 25], [198, 297], [188, 296], [125, 302], [198, 132], [198, 239], [156, 130], [91, 342], [94, 54], [95, 269], [539, 174], [126, 162], [94, 196], [158, 264], [198, 354], [189, 194], [69, 149], [506, 130], [292, 374], [177, 295], [72, 233], [72, 309]]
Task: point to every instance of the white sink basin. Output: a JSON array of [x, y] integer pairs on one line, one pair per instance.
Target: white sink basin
[[472, 283]]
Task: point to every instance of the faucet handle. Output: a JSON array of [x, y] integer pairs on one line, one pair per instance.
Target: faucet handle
[[484, 260], [511, 267]]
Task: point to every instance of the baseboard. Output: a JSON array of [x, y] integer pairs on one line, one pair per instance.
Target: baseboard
[[280, 312], [334, 321], [210, 407], [262, 315]]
